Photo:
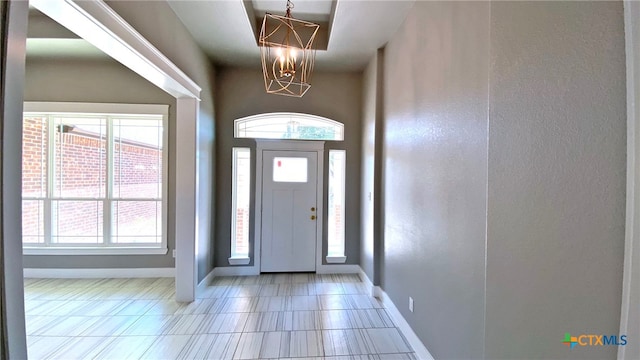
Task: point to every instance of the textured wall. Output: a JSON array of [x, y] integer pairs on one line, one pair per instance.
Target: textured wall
[[550, 181], [107, 82], [556, 177], [336, 96], [435, 173]]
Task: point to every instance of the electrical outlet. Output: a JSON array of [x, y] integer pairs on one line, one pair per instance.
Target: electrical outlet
[[174, 253], [410, 304]]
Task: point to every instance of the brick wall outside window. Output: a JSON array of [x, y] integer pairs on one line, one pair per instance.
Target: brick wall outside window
[[81, 163]]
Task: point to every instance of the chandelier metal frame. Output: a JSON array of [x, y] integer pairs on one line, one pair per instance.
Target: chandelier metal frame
[[287, 53]]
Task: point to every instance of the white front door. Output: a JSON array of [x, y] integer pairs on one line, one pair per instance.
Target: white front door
[[289, 211]]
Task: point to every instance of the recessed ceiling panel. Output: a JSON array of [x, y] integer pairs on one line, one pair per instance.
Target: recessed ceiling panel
[[316, 11], [311, 7]]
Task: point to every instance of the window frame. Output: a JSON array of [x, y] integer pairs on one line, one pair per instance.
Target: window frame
[[285, 143], [50, 109], [237, 125]]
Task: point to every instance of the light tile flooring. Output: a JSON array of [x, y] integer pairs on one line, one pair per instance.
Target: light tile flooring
[[271, 316]]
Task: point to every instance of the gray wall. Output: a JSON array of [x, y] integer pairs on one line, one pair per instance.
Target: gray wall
[[557, 168], [175, 42], [240, 93], [435, 173], [504, 175], [372, 197], [367, 225], [102, 81]]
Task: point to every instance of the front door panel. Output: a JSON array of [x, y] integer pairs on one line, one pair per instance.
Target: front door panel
[[289, 189]]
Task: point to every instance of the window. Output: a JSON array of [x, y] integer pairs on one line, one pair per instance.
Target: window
[[288, 126], [337, 168], [290, 169], [241, 192], [94, 178]]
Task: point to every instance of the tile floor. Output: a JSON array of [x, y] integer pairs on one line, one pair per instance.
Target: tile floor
[[271, 316]]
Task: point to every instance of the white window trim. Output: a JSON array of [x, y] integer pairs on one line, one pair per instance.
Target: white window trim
[[235, 258], [94, 251], [336, 259], [95, 108], [110, 109], [239, 260]]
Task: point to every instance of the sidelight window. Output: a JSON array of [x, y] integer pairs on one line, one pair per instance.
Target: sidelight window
[[241, 193], [336, 221]]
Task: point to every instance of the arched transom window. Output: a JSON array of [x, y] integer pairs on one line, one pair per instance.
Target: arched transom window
[[288, 126]]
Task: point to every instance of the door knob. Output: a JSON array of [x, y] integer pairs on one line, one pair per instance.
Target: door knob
[[313, 217]]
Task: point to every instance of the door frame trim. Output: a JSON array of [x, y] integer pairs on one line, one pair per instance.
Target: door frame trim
[[288, 145]]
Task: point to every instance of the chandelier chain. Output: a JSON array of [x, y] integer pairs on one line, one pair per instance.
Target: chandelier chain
[[290, 6]]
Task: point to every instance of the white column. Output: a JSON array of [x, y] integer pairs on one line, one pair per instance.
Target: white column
[[186, 197], [15, 345]]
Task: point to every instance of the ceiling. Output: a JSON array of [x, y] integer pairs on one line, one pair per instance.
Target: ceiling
[[226, 29], [310, 10], [63, 49], [46, 39]]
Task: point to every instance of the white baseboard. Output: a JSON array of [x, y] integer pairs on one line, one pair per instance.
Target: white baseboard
[[207, 279], [99, 273], [338, 269], [253, 270], [369, 284], [376, 291], [236, 271], [418, 347], [205, 282]]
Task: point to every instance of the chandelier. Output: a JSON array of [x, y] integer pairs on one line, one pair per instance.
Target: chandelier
[[287, 53]]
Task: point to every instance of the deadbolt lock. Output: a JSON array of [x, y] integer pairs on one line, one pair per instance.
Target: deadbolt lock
[[313, 209]]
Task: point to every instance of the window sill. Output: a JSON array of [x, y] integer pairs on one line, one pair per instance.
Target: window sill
[[336, 259], [95, 251], [239, 260]]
